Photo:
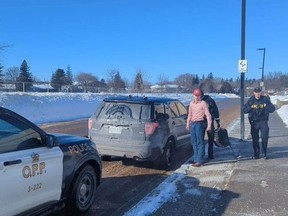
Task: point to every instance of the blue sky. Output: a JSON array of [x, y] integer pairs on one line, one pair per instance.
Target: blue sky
[[159, 37]]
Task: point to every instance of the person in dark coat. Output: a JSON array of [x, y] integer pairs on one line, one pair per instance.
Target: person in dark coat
[[259, 106], [213, 109]]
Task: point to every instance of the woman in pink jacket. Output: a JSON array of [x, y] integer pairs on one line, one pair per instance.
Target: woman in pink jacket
[[198, 110]]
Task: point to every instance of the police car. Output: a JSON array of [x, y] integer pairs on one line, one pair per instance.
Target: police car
[[41, 172]]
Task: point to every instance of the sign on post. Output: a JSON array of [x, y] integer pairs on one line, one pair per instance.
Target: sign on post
[[242, 66]]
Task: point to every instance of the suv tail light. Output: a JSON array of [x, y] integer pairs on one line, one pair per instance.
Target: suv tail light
[[90, 124], [150, 127]]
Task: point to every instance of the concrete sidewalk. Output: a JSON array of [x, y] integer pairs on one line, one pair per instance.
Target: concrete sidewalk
[[260, 186], [232, 183]]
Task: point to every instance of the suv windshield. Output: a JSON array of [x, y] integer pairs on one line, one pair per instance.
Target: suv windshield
[[124, 110]]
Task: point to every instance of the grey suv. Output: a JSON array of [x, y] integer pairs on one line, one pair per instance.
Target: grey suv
[[142, 128]]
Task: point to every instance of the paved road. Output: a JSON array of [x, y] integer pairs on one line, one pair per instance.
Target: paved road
[[231, 184], [225, 186]]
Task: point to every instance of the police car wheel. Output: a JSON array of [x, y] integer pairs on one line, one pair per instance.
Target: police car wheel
[[84, 189]]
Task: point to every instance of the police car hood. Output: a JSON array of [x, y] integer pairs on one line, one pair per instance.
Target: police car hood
[[67, 139]]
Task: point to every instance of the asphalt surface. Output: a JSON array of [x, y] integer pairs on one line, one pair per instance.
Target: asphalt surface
[[232, 183], [259, 186]]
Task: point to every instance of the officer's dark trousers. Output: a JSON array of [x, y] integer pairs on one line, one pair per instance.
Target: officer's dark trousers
[[261, 126]]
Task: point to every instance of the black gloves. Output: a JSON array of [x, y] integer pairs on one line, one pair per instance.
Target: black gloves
[[218, 123]]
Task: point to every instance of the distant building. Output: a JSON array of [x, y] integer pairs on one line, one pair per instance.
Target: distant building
[[167, 88], [43, 87]]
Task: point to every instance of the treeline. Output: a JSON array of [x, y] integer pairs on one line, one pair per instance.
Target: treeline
[[61, 78]]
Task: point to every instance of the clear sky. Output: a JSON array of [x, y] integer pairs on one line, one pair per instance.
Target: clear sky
[[159, 37]]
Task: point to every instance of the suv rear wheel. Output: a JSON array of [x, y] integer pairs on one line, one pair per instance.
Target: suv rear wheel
[[165, 160]]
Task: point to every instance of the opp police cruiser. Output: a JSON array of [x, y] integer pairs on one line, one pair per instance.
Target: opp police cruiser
[[42, 172]]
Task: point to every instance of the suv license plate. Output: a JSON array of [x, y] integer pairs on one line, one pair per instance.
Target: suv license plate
[[115, 130]]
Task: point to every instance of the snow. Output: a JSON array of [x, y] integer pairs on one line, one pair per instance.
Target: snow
[[54, 107]]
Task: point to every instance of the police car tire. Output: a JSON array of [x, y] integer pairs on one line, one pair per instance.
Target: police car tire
[[84, 190]]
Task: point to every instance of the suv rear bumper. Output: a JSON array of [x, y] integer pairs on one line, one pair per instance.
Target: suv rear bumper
[[136, 151]]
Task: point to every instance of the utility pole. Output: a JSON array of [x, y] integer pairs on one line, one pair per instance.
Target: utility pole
[[243, 24]]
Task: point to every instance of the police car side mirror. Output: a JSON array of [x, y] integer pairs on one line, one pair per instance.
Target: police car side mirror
[[50, 141]]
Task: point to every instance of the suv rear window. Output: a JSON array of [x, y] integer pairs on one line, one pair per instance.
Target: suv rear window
[[124, 110]]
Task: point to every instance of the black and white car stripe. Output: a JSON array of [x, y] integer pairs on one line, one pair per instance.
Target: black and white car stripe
[[40, 172]]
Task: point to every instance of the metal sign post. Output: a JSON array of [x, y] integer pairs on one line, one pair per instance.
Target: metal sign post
[[242, 65]]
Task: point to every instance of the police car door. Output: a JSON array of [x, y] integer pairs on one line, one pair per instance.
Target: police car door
[[30, 173]]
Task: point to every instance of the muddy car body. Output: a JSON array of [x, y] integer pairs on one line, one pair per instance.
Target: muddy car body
[[142, 128]]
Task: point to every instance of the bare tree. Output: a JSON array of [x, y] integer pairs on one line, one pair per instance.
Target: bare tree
[[186, 81], [88, 81], [115, 81], [2, 47], [162, 80], [111, 76], [12, 73]]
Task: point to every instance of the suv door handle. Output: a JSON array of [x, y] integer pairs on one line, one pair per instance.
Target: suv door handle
[[8, 163]]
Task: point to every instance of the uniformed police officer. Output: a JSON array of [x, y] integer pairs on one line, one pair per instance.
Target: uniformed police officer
[[259, 107], [213, 109]]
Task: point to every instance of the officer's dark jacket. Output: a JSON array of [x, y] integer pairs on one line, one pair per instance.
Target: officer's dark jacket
[[213, 109], [258, 109]]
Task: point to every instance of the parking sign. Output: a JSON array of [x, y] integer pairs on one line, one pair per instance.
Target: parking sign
[[242, 66]]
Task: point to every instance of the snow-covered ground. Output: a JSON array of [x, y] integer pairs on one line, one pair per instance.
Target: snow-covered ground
[[54, 107]]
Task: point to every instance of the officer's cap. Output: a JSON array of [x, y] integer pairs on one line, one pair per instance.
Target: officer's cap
[[257, 89]]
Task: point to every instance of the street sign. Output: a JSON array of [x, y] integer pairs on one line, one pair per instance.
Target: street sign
[[242, 66]]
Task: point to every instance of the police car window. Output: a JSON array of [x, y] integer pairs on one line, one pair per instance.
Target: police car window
[[15, 135]]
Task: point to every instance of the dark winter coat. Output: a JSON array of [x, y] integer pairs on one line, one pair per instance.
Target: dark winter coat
[[213, 109], [258, 109]]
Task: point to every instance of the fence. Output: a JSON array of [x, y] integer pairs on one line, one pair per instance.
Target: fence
[[46, 87]]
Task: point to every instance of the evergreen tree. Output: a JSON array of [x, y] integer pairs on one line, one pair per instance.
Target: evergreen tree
[[196, 81], [58, 79], [226, 88], [210, 76], [69, 75], [103, 84], [24, 80], [138, 82], [118, 83]]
